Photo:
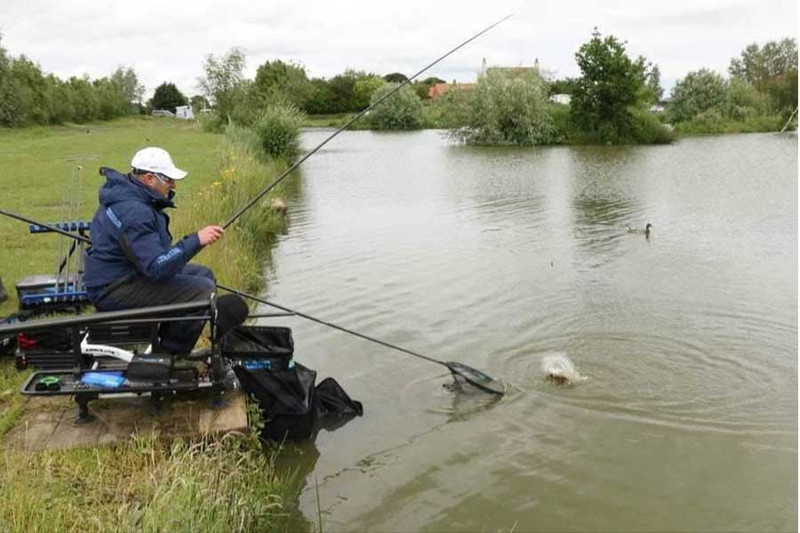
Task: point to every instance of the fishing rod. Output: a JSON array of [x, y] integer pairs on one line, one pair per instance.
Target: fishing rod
[[470, 375], [272, 185]]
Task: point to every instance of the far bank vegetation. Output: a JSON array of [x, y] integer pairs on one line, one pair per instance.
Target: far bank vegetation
[[616, 99]]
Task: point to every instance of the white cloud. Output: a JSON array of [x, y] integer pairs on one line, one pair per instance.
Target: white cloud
[[168, 41]]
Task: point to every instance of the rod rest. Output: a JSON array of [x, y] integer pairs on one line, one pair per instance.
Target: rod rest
[[81, 225]]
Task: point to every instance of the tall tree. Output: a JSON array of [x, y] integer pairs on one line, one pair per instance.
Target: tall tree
[[168, 97], [11, 110], [395, 77], [224, 77], [126, 80], [652, 83], [342, 91], [432, 80], [758, 65], [565, 86], [31, 84], [111, 102], [85, 103], [199, 102], [320, 98], [364, 89], [610, 83], [277, 81], [771, 69]]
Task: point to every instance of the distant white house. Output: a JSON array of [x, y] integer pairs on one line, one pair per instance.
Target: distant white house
[[561, 99], [163, 113], [184, 112], [661, 105]]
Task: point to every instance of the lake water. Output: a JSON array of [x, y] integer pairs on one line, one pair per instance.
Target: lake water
[[501, 257]]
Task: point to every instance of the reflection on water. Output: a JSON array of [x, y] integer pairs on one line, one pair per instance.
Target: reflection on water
[[497, 258]]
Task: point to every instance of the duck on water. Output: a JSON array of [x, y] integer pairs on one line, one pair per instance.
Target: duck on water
[[646, 230]]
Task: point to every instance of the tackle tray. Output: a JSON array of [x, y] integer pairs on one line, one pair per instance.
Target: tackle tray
[[43, 290], [182, 379]]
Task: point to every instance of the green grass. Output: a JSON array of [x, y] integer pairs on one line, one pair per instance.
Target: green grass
[[12, 403], [714, 124], [144, 484]]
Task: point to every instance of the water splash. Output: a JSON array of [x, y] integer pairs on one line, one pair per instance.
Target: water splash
[[559, 369]]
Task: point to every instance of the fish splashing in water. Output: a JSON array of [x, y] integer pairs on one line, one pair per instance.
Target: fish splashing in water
[[559, 369]]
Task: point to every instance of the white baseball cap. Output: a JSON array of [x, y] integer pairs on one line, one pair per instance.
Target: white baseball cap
[[153, 159]]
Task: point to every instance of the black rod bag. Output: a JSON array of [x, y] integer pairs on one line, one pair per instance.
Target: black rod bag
[[292, 407]]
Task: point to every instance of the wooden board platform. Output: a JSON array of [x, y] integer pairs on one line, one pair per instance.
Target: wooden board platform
[[51, 423]]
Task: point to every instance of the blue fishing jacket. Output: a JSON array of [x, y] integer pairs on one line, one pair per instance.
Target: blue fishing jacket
[[130, 236]]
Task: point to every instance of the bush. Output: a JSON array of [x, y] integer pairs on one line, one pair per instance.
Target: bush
[[561, 121], [508, 109], [744, 101], [245, 106], [401, 111], [449, 110], [648, 129], [714, 122], [696, 94], [212, 122], [278, 130]]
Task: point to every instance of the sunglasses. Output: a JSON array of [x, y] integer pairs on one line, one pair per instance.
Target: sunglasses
[[163, 179], [166, 180]]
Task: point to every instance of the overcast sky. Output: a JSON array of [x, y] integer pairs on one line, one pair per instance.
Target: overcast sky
[[169, 40]]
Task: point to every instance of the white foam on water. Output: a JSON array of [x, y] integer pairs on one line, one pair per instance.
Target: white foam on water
[[558, 366]]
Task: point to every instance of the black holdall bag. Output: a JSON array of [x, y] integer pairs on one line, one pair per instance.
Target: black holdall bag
[[292, 407], [286, 399]]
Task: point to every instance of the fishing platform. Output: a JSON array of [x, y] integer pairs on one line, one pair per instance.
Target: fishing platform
[[117, 356], [50, 423]]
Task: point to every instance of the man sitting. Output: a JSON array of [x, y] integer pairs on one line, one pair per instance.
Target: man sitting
[[132, 261]]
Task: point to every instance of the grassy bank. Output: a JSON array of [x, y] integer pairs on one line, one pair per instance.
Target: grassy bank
[[335, 121], [715, 124], [144, 484]]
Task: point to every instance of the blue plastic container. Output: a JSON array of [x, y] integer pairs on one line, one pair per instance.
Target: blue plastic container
[[109, 380]]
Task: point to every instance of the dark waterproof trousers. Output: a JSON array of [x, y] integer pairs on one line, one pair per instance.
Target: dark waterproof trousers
[[193, 283]]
